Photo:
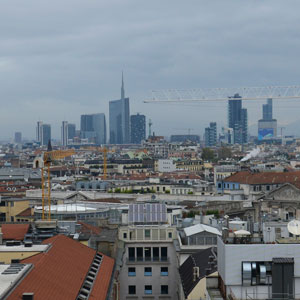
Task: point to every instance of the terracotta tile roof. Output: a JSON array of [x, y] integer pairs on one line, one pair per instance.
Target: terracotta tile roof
[[59, 273], [89, 228], [14, 231], [102, 282], [25, 213], [246, 177]]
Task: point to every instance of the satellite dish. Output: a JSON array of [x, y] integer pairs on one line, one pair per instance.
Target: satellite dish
[[294, 227]]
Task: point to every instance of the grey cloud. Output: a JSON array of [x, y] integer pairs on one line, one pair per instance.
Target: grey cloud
[[59, 59]]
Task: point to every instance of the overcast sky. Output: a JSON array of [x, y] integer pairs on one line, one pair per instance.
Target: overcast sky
[[60, 59]]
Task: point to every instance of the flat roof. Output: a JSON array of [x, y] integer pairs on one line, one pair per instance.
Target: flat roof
[[68, 208], [22, 248], [8, 280]]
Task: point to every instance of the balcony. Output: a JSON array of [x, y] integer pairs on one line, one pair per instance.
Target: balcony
[[146, 260]]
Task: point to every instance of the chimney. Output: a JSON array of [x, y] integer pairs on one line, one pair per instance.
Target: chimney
[[27, 296]]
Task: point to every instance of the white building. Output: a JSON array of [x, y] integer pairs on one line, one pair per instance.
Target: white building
[[166, 165]]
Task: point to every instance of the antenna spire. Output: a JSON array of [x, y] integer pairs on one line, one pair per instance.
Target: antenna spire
[[122, 88]]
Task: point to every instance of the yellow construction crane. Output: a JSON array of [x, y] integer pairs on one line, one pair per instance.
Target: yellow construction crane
[[104, 150], [49, 157]]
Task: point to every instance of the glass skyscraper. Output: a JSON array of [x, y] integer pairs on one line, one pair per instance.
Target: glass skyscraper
[[119, 123], [93, 128], [238, 119], [138, 128]]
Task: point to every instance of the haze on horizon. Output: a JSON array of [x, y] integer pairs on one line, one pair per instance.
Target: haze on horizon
[[59, 60]]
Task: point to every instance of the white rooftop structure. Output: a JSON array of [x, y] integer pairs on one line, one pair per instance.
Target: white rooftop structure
[[198, 228], [10, 275], [22, 248], [68, 208]]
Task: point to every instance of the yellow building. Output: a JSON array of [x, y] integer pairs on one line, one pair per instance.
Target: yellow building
[[11, 207], [9, 254]]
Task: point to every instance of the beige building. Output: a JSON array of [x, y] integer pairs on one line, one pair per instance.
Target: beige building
[[11, 207]]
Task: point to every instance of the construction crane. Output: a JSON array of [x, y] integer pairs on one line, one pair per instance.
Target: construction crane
[[223, 94], [48, 157], [104, 150]]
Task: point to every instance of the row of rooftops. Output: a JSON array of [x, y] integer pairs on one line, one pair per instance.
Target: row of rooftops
[[59, 271]]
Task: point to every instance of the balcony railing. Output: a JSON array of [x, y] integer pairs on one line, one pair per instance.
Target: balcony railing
[[134, 260]]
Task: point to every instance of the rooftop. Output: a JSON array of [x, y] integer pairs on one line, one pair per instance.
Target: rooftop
[[14, 231], [198, 228], [22, 248], [246, 177], [10, 275], [60, 273]]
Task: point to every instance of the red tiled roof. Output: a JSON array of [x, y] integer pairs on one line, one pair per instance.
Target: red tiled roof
[[59, 273], [14, 231], [246, 177], [89, 228], [25, 213]]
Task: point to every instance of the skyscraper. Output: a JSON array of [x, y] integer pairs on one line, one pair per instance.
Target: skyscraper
[[46, 134], [39, 132], [119, 119], [93, 127], [267, 126], [210, 135], [137, 128], [71, 131], [64, 133], [238, 119], [18, 137]]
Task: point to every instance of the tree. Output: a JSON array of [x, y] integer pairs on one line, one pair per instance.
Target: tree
[[224, 152], [207, 154]]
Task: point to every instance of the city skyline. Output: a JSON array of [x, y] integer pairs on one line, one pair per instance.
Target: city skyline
[[58, 72]]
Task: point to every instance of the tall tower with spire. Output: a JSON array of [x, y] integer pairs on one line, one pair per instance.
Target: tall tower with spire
[[119, 122], [122, 88]]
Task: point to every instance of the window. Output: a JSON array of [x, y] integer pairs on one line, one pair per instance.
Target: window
[[147, 233], [131, 253], [124, 235], [164, 290], [148, 271], [219, 185], [139, 255], [164, 253], [267, 187], [131, 290], [170, 235], [164, 271], [155, 253], [148, 289], [12, 204], [131, 272], [147, 254]]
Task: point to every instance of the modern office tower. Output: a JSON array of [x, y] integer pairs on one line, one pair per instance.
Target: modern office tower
[[267, 126], [238, 119], [39, 132], [210, 135], [46, 134], [119, 119], [64, 133], [99, 124], [137, 128], [93, 127], [18, 137], [71, 131]]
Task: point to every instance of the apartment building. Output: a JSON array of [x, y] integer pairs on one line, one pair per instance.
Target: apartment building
[[149, 264]]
